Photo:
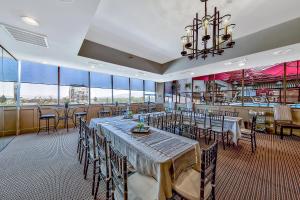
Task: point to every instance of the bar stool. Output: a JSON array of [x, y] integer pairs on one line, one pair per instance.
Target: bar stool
[[104, 113], [80, 114], [47, 117]]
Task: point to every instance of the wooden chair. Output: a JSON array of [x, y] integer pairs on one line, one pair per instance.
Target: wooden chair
[[80, 112], [102, 165], [250, 134], [158, 120], [46, 117], [167, 121], [283, 119], [193, 185], [136, 186], [200, 125], [216, 122], [176, 123], [187, 118], [81, 137]]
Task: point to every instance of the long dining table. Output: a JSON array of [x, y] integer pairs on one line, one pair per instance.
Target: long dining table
[[159, 154]]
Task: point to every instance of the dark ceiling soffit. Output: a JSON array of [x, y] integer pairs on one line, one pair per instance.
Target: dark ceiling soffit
[[100, 52], [274, 37]]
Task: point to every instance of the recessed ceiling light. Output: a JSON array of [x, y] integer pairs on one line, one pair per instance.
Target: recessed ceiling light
[[281, 52], [30, 21], [228, 63], [45, 62], [67, 1], [241, 64], [93, 66], [192, 73]]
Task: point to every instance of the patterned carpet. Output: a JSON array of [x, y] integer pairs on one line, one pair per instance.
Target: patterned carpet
[[35, 167], [4, 141]]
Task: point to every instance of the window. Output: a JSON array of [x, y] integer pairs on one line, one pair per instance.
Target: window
[[137, 90], [101, 91], [74, 86], [168, 92], [150, 89], [121, 89], [8, 78], [137, 96], [36, 88]]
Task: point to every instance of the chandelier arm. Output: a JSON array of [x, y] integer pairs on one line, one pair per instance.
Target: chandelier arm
[[213, 27]]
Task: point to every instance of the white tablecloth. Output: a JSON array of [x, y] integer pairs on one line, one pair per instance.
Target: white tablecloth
[[156, 154], [234, 125]]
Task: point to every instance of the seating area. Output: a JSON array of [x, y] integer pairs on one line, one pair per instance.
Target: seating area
[[149, 100]]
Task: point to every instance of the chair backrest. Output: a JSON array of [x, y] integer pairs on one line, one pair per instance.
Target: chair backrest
[[39, 110], [187, 116], [101, 148], [282, 113], [200, 119], [119, 173], [231, 114], [216, 121], [208, 169], [81, 127], [88, 134], [253, 124]]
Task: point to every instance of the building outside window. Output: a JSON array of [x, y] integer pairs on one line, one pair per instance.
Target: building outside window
[[120, 89], [101, 88], [37, 88], [74, 86]]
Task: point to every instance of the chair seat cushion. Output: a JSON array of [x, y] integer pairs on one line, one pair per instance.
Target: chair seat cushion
[[217, 129], [246, 131], [188, 185], [80, 113], [140, 187], [201, 126], [47, 116]]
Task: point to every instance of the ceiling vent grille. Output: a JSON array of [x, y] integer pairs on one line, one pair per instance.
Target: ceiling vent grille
[[25, 36]]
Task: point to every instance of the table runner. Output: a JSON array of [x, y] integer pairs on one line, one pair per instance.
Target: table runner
[[155, 155], [231, 124]]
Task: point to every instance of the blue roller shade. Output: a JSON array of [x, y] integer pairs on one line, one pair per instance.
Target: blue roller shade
[[121, 83], [8, 68], [74, 77], [99, 80], [136, 84], [150, 86], [38, 73]]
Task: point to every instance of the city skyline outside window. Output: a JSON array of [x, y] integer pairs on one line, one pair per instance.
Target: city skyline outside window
[[73, 88], [32, 94]]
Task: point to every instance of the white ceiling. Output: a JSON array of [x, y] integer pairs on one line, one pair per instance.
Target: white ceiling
[[150, 29]]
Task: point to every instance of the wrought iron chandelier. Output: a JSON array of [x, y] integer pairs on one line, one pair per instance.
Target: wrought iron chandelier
[[211, 34]]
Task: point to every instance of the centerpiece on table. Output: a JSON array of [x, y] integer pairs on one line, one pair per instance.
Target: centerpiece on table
[[128, 115], [140, 128]]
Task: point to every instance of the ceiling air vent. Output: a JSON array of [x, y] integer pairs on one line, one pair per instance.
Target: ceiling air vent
[[25, 36]]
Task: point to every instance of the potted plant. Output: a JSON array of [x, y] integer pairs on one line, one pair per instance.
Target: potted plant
[[188, 86], [67, 104]]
